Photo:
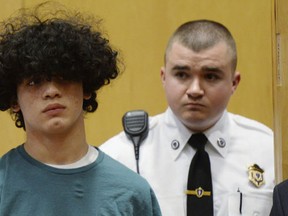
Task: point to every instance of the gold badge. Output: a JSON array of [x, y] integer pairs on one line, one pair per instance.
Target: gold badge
[[256, 175]]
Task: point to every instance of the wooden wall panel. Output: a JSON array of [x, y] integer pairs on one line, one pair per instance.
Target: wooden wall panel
[[281, 90]]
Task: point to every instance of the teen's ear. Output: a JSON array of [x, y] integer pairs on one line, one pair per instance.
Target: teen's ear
[[87, 96], [15, 108]]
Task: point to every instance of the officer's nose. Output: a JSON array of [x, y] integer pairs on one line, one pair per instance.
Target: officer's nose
[[195, 88]]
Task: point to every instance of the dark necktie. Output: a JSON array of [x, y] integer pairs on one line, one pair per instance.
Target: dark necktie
[[199, 188]]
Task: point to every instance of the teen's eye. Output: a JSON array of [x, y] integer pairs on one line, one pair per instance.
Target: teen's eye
[[59, 79], [33, 82]]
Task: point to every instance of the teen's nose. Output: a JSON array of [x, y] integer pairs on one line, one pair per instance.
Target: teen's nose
[[51, 89]]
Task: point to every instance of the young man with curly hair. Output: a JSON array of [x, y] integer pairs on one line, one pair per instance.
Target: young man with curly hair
[[50, 70]]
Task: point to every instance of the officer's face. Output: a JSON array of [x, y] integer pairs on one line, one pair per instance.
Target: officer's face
[[198, 85]]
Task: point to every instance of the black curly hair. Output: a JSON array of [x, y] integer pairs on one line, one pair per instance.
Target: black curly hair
[[40, 45]]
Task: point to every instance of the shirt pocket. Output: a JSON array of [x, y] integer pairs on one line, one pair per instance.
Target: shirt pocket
[[250, 204]]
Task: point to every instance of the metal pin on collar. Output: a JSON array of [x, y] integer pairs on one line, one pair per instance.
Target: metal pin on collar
[[175, 144], [221, 142]]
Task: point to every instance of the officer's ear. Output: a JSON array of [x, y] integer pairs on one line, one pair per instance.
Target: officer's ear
[[235, 81], [162, 74]]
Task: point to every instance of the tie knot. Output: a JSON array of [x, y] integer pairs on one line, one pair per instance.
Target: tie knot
[[198, 141]]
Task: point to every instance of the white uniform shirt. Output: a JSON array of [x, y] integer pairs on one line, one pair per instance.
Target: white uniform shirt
[[235, 143]]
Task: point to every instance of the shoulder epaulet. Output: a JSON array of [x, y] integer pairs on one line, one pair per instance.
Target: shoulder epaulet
[[250, 123]]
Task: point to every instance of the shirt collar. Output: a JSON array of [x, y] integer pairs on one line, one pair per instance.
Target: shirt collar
[[219, 135], [179, 134]]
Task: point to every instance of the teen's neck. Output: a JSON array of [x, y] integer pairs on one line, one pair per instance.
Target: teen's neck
[[58, 149]]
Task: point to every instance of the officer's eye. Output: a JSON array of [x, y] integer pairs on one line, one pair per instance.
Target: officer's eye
[[181, 75], [212, 76]]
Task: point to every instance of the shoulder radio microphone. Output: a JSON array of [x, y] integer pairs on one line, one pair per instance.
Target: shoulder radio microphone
[[136, 127]]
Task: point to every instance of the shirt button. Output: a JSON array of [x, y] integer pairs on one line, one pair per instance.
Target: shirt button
[[256, 213]]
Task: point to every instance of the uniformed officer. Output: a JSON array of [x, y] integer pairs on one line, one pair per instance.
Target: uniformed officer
[[199, 77]]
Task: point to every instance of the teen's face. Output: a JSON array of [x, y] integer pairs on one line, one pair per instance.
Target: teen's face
[[50, 106], [198, 85]]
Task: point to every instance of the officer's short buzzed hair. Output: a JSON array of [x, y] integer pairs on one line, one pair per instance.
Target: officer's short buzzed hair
[[202, 34]]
